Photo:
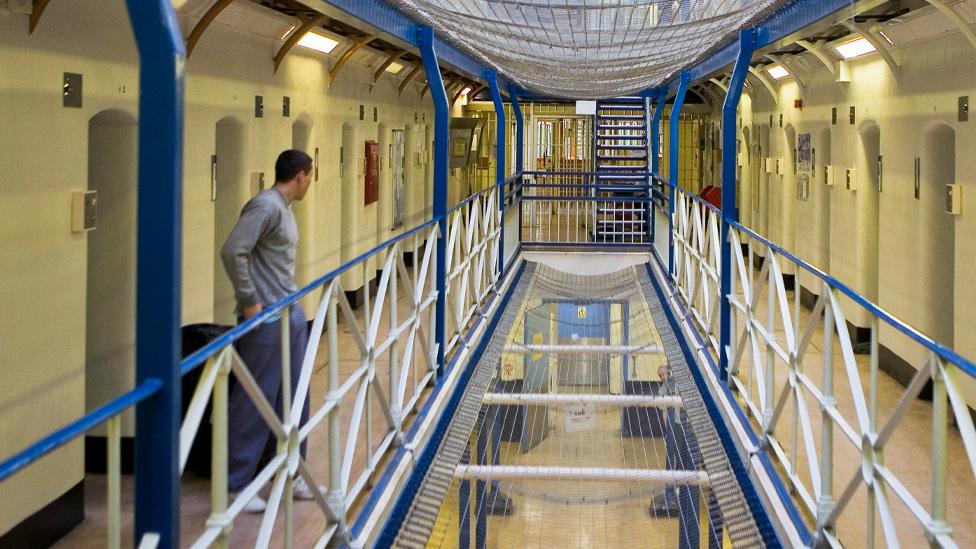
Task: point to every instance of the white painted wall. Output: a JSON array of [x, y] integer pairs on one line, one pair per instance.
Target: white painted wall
[[43, 151]]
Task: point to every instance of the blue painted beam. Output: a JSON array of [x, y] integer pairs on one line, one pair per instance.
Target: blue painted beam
[[679, 102], [442, 121], [661, 97], [501, 125], [747, 45], [158, 270], [513, 94]]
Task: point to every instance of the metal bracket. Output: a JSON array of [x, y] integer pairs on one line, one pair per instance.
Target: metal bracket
[[204, 23], [765, 82], [953, 15], [296, 35], [794, 74], [347, 55], [820, 54]]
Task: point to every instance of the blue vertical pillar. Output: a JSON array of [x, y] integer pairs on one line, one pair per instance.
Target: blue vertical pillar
[[159, 249], [661, 98], [654, 132], [425, 40], [747, 45], [519, 129], [679, 102], [501, 126]]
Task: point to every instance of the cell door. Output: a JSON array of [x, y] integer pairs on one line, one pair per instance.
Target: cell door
[[536, 418], [396, 162]]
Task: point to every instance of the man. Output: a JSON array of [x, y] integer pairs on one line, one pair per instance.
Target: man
[[259, 257]]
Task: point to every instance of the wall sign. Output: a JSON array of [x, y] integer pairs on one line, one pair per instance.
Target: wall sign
[[371, 179]]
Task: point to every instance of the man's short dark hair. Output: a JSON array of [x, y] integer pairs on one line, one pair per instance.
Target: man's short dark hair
[[291, 162]]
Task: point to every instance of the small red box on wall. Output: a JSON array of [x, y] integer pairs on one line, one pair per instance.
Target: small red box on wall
[[372, 172]]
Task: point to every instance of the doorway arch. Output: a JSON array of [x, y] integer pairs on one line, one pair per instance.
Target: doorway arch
[[936, 237], [307, 268], [351, 200], [231, 192], [787, 202], [820, 194], [868, 210], [110, 292], [745, 182]]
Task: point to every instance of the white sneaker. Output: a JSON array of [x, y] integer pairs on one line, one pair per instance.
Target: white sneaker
[[255, 506], [301, 489]]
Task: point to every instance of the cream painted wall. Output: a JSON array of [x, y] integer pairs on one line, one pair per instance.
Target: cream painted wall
[[832, 228], [43, 149]]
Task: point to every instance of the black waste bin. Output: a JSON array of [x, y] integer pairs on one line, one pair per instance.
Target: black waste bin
[[195, 337]]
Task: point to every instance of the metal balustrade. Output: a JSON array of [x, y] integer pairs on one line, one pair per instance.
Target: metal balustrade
[[574, 209], [394, 366], [815, 417]]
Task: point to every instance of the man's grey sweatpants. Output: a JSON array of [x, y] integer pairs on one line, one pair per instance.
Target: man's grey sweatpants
[[248, 432]]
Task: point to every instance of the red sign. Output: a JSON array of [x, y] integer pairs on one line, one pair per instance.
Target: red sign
[[372, 175]]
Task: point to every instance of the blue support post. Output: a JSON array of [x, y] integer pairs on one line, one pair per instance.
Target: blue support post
[[679, 102], [442, 121], [747, 45], [660, 98], [158, 269], [519, 130], [501, 126]]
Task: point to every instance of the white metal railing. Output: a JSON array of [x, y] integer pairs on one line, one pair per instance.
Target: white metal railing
[[853, 449], [387, 369], [568, 209], [697, 262], [474, 231]]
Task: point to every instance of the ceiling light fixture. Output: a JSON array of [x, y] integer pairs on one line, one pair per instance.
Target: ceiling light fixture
[[466, 90], [886, 37], [394, 68], [318, 42], [778, 72], [855, 48]]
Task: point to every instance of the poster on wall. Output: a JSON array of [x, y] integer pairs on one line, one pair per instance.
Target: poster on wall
[[803, 187], [804, 160], [803, 156], [397, 151]]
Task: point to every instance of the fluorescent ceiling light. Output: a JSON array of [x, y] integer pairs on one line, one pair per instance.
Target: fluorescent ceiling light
[[394, 68], [778, 72], [318, 42], [466, 90], [885, 36], [855, 48]]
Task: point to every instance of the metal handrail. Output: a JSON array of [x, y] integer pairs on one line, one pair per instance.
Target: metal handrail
[[189, 363], [760, 400], [941, 350]]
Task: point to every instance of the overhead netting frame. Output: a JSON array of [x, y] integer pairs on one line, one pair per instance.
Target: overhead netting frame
[[588, 49]]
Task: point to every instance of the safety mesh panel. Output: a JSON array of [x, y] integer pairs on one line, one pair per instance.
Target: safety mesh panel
[[512, 504], [587, 48]]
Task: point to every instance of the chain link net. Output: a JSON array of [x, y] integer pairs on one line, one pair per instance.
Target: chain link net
[[587, 49]]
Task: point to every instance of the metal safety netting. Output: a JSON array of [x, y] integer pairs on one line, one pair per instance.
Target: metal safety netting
[[587, 48], [580, 426]]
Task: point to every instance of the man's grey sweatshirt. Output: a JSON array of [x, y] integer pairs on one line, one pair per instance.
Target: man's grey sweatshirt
[[259, 254]]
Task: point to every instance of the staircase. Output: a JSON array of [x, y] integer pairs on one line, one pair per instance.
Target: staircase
[[621, 162]]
